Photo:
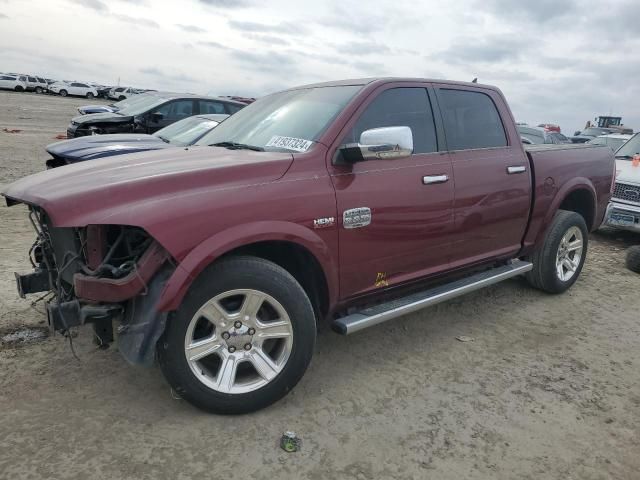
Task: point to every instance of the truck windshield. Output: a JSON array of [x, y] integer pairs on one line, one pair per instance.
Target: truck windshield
[[631, 148], [285, 121]]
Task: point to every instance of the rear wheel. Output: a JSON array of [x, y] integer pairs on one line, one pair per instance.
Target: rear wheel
[[242, 338], [63, 93], [557, 265], [89, 95], [19, 88], [633, 259]]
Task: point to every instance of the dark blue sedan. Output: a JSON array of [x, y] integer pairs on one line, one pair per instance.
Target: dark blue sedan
[[179, 134]]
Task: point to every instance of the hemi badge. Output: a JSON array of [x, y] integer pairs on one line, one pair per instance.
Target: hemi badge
[[324, 222]]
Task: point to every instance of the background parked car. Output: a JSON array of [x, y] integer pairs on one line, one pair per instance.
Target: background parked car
[[537, 135], [153, 112], [103, 90], [624, 208], [180, 134], [11, 82], [34, 84], [120, 93], [589, 133], [113, 107], [614, 140], [73, 88]]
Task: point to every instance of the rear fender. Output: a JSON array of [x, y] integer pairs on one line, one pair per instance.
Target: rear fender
[[546, 208], [217, 245]]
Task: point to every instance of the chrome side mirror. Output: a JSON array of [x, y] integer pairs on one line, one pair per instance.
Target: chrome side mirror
[[386, 143]]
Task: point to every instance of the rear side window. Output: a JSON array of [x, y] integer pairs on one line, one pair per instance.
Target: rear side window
[[32, 79], [400, 107], [471, 120], [177, 109], [208, 107], [233, 108]]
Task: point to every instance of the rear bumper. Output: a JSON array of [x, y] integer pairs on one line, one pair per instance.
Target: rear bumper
[[623, 216]]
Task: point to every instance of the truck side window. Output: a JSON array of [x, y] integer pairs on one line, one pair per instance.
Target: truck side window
[[400, 107], [471, 120]]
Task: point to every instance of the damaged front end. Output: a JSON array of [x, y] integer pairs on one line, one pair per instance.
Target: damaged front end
[[103, 275]]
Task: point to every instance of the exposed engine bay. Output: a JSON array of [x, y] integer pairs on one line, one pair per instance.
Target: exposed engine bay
[[100, 274]]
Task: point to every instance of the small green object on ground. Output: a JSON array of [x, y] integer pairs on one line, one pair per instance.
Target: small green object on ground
[[290, 442]]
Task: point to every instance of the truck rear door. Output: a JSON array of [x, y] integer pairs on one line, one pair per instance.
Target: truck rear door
[[395, 217], [491, 171]]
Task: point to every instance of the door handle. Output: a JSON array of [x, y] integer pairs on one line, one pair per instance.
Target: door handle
[[431, 179], [516, 169]]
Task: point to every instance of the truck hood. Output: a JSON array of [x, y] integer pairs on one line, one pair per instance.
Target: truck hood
[[110, 190], [106, 117], [626, 172], [97, 146]]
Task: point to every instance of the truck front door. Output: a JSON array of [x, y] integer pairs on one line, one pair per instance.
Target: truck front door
[[493, 178], [399, 213]]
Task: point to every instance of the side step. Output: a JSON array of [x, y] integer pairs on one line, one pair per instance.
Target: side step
[[396, 308]]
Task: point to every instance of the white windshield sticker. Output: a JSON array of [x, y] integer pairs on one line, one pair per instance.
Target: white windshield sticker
[[290, 143]]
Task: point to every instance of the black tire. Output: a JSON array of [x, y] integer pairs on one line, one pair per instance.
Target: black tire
[[89, 95], [229, 274], [544, 275], [38, 90], [63, 93], [19, 88], [633, 259], [121, 97]]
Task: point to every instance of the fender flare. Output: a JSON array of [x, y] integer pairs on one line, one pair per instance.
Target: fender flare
[[223, 242], [577, 183]]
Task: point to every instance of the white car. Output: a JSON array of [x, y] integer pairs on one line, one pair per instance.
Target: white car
[[11, 82], [34, 84], [613, 140], [624, 208], [120, 93], [73, 88]]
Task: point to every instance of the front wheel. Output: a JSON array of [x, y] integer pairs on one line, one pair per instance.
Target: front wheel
[[121, 97], [63, 93], [557, 265], [38, 90], [89, 95], [241, 339]]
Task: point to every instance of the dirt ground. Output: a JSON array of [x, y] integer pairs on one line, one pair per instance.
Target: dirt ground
[[549, 388]]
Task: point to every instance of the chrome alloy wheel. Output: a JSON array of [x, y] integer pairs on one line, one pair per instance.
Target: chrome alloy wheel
[[238, 341], [569, 254]]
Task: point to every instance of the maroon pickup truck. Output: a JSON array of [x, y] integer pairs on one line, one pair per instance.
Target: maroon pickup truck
[[351, 202]]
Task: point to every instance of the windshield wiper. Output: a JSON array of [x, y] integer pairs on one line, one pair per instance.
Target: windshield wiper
[[165, 140], [237, 146], [626, 157]]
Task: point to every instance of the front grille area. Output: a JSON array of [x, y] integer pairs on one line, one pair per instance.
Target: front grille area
[[627, 193]]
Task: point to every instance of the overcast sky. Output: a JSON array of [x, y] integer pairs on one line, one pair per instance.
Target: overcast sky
[[561, 61]]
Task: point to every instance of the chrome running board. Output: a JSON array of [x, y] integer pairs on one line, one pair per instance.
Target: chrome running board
[[396, 308]]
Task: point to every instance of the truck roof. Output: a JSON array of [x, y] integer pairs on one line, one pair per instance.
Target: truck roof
[[383, 80]]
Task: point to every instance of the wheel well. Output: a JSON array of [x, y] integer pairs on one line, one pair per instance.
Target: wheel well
[[582, 202], [299, 262]]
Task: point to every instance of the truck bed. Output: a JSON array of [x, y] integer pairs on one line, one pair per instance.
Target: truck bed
[[559, 170]]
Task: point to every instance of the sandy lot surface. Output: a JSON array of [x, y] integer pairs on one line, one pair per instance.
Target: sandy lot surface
[[549, 388]]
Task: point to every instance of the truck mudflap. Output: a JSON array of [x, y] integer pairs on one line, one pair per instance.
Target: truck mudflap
[[142, 324]]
